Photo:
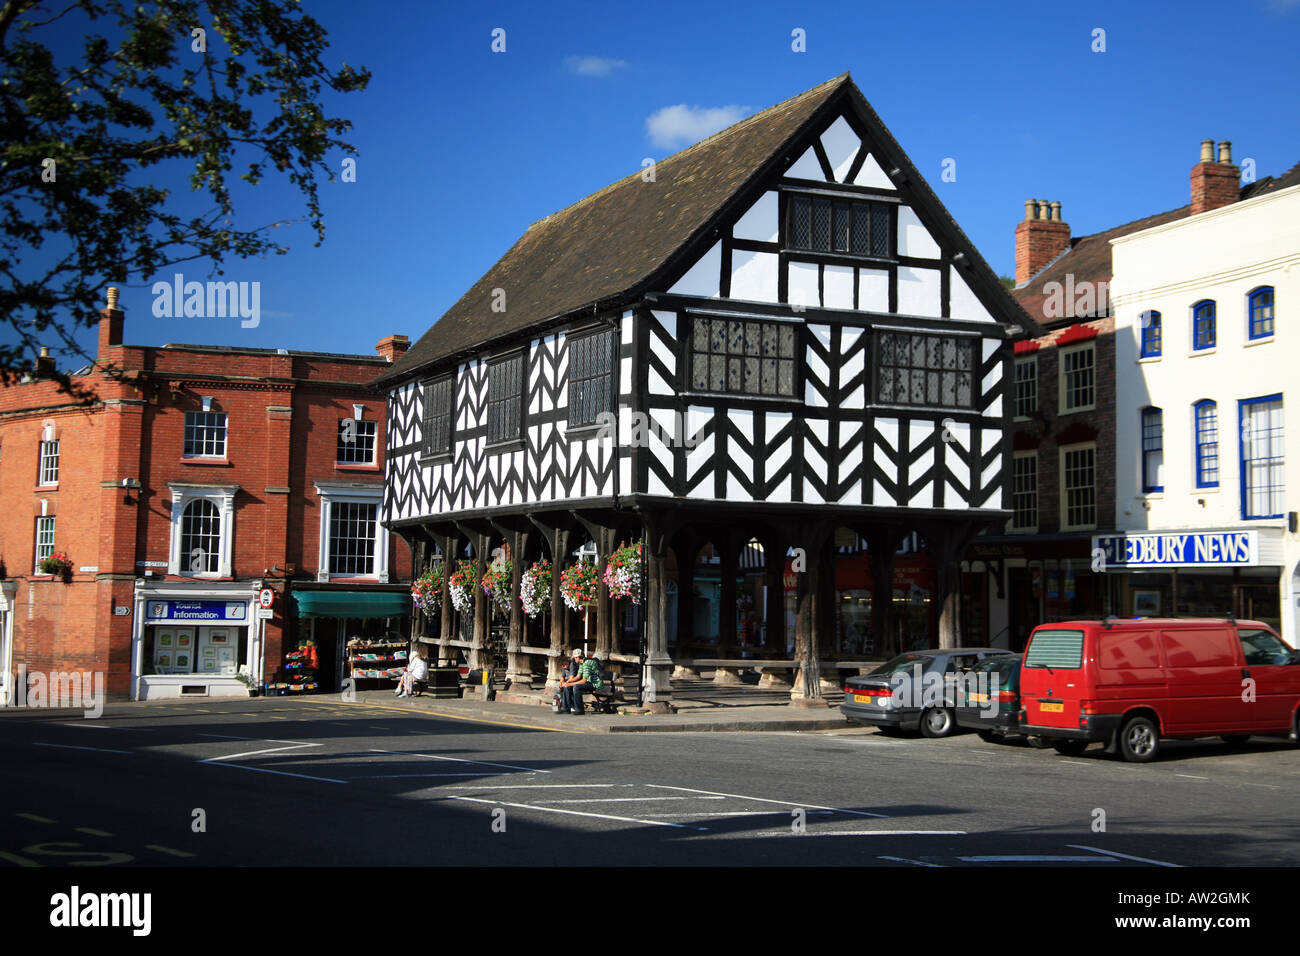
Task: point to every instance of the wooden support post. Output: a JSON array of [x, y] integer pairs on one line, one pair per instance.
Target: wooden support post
[[520, 672], [479, 653], [451, 544], [657, 676], [807, 690]]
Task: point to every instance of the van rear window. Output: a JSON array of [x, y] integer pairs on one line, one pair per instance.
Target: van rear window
[[1055, 649]]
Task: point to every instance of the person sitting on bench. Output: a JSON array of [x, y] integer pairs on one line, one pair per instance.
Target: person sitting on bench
[[586, 679], [417, 670]]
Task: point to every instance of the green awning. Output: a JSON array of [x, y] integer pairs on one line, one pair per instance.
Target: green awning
[[353, 603]]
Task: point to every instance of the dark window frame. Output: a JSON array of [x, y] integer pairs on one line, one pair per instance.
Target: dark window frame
[[843, 217], [1027, 396], [585, 384], [428, 416], [892, 374], [505, 425], [760, 357]]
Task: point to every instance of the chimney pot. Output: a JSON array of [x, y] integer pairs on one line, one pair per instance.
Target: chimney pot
[[1056, 211], [1040, 238], [1214, 184], [1031, 209], [45, 351], [112, 296], [392, 347], [1207, 150], [1225, 153]]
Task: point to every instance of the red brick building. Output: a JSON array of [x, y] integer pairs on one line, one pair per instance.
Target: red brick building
[[193, 477]]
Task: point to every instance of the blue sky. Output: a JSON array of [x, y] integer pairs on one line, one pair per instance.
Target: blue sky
[[460, 148]]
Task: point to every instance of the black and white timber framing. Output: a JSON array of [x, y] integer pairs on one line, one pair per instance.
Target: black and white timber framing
[[889, 414]]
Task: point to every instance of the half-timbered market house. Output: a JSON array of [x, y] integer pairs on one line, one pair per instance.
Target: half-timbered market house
[[769, 343]]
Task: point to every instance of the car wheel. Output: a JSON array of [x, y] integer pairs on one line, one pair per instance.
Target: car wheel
[[1235, 740], [1139, 740], [989, 736], [1069, 748], [937, 722]]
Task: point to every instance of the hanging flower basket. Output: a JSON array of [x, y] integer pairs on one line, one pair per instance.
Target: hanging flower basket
[[496, 585], [461, 585], [623, 573], [578, 584], [535, 588], [426, 590]]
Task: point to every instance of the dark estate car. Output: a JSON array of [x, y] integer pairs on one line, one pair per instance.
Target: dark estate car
[[988, 700], [914, 691]]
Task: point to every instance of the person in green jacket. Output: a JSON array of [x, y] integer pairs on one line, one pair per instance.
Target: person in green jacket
[[586, 679]]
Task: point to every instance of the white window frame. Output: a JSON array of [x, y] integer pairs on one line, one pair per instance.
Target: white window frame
[[225, 438], [331, 492], [36, 565], [1024, 360], [223, 496], [43, 459], [374, 445], [1062, 392], [1064, 490]]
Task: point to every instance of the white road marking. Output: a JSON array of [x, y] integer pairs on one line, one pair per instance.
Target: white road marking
[[481, 763], [578, 813], [253, 753], [1124, 856], [1191, 776], [399, 776], [730, 813], [279, 773], [103, 750], [166, 849], [1030, 858], [629, 799], [784, 803], [903, 859], [991, 753], [837, 833], [548, 786]]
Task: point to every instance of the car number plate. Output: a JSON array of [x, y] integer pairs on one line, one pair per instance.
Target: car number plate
[[862, 698], [1053, 708]]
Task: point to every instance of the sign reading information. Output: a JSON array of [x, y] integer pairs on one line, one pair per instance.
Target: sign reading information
[[1191, 549], [196, 610]]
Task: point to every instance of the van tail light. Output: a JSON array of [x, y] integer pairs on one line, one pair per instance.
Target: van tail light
[[1089, 707]]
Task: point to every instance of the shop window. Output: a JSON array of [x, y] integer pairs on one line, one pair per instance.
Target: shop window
[[1078, 487], [1150, 334], [1262, 457], [505, 399], [744, 357], [1078, 380], [1024, 492], [932, 370], [356, 444], [1203, 325], [202, 529], [591, 376], [439, 401], [1259, 306], [1026, 386], [1207, 444], [353, 543], [49, 470], [205, 434], [1153, 453]]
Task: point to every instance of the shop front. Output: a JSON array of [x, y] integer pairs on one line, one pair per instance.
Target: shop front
[[194, 640], [357, 634], [1201, 573], [913, 623]]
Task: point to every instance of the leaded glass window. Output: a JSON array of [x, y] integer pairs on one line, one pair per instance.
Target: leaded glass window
[[917, 369], [743, 357]]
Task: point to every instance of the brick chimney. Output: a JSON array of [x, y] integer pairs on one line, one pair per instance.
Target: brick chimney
[[1214, 184], [44, 363], [110, 324], [1040, 238], [392, 347]]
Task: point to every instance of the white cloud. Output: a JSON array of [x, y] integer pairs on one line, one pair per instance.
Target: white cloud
[[681, 124], [592, 65]]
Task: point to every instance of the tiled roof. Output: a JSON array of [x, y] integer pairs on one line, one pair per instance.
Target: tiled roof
[[1087, 258]]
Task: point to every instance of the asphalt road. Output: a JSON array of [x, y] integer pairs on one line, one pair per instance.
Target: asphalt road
[[321, 782]]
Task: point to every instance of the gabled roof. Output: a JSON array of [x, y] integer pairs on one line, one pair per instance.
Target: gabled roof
[[1087, 258], [614, 243]]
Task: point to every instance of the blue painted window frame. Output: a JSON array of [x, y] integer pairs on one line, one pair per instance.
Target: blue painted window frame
[[1152, 443], [1205, 417], [1203, 325], [1255, 308], [1151, 338], [1244, 471]]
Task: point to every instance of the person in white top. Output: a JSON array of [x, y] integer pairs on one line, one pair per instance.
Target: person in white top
[[417, 669]]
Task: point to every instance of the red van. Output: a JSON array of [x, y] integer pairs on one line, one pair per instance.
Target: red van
[[1132, 682]]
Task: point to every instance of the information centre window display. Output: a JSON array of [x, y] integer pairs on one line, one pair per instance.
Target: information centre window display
[[208, 638]]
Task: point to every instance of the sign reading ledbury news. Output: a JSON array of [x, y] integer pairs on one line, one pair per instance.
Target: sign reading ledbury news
[[1191, 549], [196, 610]]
